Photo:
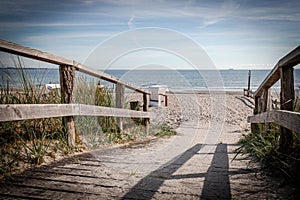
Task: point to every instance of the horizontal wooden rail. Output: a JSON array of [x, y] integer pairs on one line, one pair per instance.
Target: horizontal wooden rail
[[20, 50], [287, 119], [13, 112], [290, 60]]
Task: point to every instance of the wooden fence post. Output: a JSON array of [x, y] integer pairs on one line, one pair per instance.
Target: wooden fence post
[[249, 78], [264, 106], [67, 78], [145, 109], [265, 100], [287, 97], [120, 97], [254, 126]]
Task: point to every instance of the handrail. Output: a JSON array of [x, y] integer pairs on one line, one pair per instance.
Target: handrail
[[14, 112], [290, 60], [28, 52], [285, 117], [67, 68]]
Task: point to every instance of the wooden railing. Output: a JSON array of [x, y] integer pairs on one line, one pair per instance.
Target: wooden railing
[[287, 119], [67, 110]]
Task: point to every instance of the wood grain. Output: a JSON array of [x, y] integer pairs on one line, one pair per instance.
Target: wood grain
[[287, 119], [290, 60], [20, 50], [13, 112]]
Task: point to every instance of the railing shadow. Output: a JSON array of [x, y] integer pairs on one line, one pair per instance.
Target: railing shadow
[[246, 101], [148, 186], [216, 184], [79, 177]]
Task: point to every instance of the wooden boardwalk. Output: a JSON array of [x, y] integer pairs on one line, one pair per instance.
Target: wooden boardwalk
[[181, 167]]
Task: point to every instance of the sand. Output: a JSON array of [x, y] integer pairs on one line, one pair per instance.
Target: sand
[[230, 109]]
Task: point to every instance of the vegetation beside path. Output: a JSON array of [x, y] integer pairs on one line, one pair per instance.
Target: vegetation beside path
[[28, 143]]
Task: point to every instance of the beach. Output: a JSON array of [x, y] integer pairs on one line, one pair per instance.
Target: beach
[[232, 108]]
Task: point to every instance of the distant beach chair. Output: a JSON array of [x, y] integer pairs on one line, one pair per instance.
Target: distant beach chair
[[158, 95]]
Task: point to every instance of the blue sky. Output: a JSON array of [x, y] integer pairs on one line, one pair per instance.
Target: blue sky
[[241, 34]]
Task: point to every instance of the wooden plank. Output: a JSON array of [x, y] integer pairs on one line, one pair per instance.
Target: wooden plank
[[287, 97], [287, 92], [120, 100], [249, 81], [67, 79], [254, 127], [20, 50], [265, 100], [24, 51], [290, 60], [145, 109], [13, 112], [287, 119], [265, 117], [120, 95], [107, 77]]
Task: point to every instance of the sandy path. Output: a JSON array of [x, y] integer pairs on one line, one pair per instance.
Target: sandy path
[[197, 163]]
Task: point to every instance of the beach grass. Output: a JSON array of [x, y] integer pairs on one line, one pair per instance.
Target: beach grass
[[33, 142], [263, 147], [26, 141]]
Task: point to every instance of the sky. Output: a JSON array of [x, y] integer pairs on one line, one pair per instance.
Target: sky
[[244, 34]]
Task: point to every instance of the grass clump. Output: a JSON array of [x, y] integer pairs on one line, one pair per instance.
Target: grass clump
[[263, 147], [164, 131], [27, 142], [32, 142], [95, 131]]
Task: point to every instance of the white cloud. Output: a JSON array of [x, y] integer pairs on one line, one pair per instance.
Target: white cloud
[[67, 36]]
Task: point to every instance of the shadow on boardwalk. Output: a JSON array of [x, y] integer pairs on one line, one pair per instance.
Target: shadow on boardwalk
[[216, 183], [85, 177]]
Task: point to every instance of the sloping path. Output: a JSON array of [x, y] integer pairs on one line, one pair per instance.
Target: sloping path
[[181, 167]]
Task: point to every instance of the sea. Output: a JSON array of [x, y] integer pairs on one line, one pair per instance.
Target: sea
[[175, 80]]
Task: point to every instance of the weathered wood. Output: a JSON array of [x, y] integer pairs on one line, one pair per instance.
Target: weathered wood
[[14, 112], [264, 107], [254, 127], [107, 77], [287, 96], [265, 100], [288, 61], [67, 79], [265, 117], [67, 75], [249, 79], [145, 109], [145, 102], [287, 119], [120, 98], [20, 50], [120, 95]]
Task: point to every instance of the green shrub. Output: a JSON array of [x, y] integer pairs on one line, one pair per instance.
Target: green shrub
[[263, 148], [164, 131], [27, 140]]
